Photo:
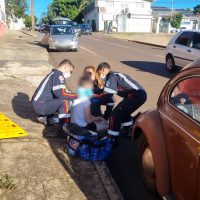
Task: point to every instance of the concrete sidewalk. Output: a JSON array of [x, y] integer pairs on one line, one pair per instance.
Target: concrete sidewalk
[[38, 164], [161, 39]]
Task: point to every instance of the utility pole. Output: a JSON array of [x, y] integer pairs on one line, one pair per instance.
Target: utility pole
[[33, 18], [172, 10]]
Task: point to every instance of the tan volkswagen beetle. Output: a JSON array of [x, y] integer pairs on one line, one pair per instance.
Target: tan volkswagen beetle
[[168, 139]]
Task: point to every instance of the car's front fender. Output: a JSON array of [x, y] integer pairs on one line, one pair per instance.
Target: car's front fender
[[149, 124]]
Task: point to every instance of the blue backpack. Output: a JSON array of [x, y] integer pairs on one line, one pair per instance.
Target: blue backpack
[[87, 145]]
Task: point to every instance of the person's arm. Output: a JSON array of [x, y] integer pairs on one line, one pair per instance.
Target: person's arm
[[109, 90], [59, 89], [89, 118]]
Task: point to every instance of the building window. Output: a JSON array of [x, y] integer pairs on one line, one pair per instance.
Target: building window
[[139, 5]]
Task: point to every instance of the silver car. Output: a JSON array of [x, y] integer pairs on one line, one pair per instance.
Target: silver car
[[183, 49], [62, 38]]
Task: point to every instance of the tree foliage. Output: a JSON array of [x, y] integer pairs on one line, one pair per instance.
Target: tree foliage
[[28, 20], [176, 20], [65, 8], [197, 10], [15, 8]]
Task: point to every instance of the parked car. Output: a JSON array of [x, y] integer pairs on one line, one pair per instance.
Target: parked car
[[62, 37], [37, 27], [45, 28], [168, 139], [86, 29], [183, 49]]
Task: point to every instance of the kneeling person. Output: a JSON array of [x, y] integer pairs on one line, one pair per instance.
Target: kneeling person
[[52, 94], [81, 113], [124, 86]]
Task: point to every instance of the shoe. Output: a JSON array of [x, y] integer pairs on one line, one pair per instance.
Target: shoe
[[43, 120], [115, 141]]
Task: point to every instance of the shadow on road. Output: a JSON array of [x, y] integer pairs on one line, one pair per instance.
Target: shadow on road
[[123, 167], [82, 173], [156, 68]]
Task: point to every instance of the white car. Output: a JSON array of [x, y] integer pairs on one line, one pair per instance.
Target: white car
[[182, 49]]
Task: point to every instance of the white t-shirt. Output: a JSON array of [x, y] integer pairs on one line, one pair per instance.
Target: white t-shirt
[[78, 112]]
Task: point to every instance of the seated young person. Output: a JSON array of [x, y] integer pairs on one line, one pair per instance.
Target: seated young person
[[80, 110], [97, 101]]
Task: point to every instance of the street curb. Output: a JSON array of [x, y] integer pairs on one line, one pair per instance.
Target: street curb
[[146, 43], [108, 182]]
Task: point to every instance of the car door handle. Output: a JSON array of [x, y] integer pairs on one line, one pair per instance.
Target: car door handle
[[189, 50], [174, 46]]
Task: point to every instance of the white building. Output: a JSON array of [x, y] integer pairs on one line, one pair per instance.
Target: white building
[[16, 24], [2, 17], [124, 15]]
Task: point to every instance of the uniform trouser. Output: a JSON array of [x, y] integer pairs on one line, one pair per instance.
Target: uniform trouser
[[121, 115], [46, 108], [96, 106]]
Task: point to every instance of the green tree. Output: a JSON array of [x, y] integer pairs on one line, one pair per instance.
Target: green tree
[[28, 21], [66, 8], [15, 8], [176, 20], [197, 10]]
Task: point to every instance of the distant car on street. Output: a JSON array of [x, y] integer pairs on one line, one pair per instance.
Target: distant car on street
[[62, 38], [37, 27], [183, 49], [86, 29], [45, 28], [168, 139]]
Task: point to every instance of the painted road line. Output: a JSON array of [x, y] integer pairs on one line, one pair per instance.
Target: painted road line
[[114, 44], [84, 48]]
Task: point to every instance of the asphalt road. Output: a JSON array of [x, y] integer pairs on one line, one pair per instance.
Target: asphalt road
[[146, 65]]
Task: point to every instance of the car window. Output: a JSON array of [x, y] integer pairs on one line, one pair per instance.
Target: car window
[[62, 30], [196, 41], [184, 39], [186, 97]]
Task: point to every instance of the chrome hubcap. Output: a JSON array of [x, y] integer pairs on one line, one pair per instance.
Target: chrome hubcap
[[169, 63]]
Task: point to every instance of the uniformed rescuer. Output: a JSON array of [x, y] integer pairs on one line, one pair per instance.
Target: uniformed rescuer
[[124, 86], [52, 94]]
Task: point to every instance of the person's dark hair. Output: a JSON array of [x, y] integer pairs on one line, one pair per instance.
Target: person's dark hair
[[66, 62], [103, 65], [84, 81]]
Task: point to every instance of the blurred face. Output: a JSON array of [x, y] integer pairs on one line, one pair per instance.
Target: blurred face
[[90, 73], [85, 91]]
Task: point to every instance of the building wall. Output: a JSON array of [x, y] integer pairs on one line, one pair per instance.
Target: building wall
[[17, 24], [116, 11], [2, 18]]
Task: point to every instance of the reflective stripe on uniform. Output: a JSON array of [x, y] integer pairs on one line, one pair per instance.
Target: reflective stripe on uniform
[[61, 116], [127, 123], [42, 87], [114, 133], [110, 104], [109, 90], [58, 87], [128, 81]]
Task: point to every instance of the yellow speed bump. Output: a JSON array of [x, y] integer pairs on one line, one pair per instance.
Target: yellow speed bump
[[8, 129]]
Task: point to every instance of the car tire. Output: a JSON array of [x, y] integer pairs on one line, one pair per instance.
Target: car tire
[[146, 165], [75, 50], [170, 64]]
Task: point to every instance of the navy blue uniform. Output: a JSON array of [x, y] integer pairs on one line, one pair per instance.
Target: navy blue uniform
[[133, 97], [98, 100], [52, 96]]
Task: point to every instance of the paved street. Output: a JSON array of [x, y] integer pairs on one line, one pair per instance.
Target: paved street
[[146, 65]]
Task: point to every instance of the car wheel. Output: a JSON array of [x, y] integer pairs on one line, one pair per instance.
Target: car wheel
[[146, 164], [75, 50], [170, 64]]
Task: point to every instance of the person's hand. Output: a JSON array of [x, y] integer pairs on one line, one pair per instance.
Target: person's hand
[[100, 119]]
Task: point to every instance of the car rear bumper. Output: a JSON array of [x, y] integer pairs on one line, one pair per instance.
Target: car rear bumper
[[63, 46]]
